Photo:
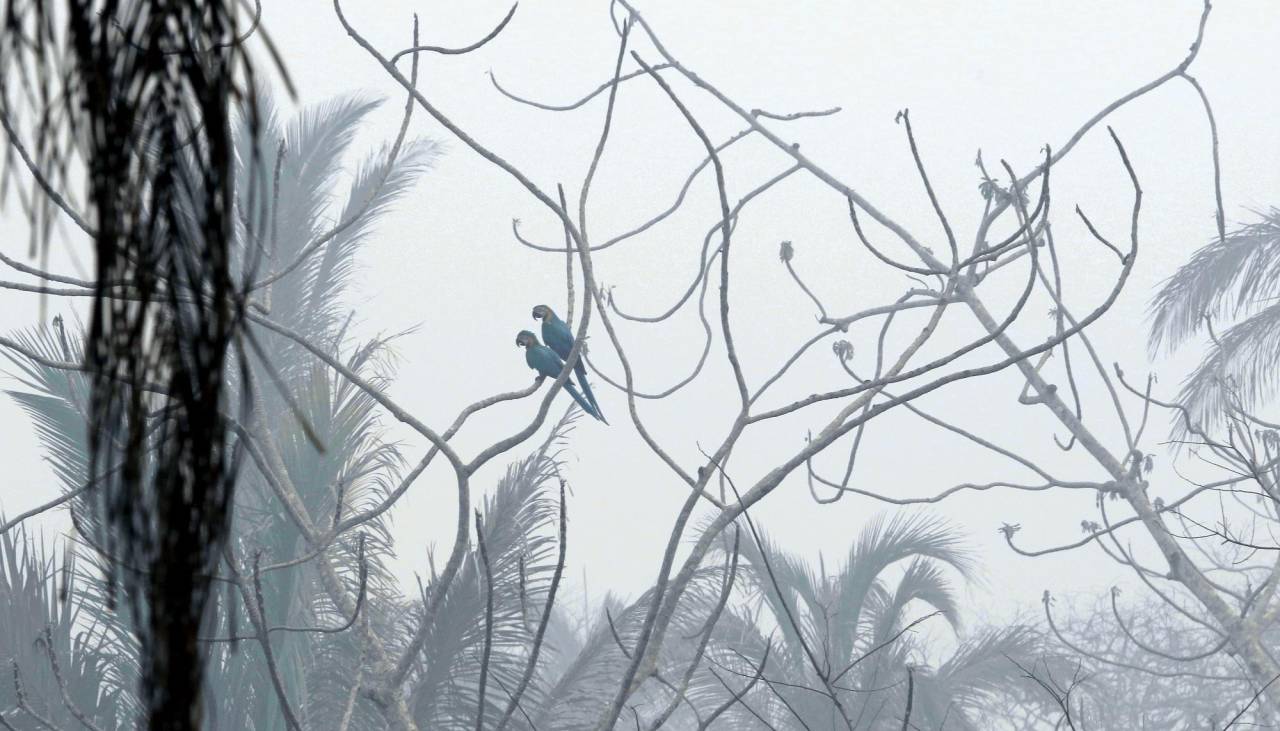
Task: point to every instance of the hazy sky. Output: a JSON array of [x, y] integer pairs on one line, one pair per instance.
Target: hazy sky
[[1005, 78]]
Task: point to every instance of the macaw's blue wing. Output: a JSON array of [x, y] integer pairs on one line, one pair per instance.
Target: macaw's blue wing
[[557, 335], [542, 360], [545, 361]]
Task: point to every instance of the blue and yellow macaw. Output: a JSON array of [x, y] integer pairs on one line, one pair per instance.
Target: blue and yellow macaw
[[545, 361], [557, 335]]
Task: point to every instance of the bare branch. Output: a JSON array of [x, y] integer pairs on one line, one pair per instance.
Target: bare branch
[[446, 51]]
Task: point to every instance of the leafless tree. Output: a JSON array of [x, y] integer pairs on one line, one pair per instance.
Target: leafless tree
[[1217, 540]]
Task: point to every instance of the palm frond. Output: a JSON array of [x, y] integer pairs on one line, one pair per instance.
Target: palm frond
[[851, 622], [1232, 276], [884, 543], [314, 146], [315, 142], [924, 581], [579, 684], [979, 669], [34, 622], [518, 521], [378, 183], [56, 400], [1239, 373], [790, 589]]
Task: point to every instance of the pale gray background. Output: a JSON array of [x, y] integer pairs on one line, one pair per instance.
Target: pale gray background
[[1005, 77]]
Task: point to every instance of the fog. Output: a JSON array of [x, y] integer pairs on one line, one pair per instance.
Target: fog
[[442, 267]]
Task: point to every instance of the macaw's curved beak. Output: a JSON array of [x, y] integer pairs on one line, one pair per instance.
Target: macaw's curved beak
[[536, 315], [518, 343]]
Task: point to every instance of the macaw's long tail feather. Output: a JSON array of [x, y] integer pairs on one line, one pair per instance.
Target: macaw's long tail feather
[[581, 370], [568, 386]]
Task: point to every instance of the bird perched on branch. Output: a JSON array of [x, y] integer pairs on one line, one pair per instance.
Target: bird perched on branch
[[557, 335], [545, 361]]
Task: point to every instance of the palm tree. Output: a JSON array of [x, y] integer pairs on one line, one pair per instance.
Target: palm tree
[[306, 158], [840, 645], [518, 526], [781, 613], [1230, 288], [357, 466]]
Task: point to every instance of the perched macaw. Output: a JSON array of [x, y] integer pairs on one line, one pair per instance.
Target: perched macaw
[[557, 335], [545, 361]]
